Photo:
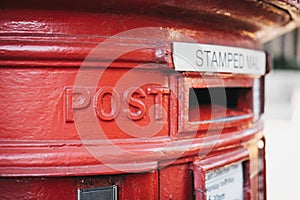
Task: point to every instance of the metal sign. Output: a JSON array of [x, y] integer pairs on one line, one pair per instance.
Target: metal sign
[[214, 58], [225, 183]]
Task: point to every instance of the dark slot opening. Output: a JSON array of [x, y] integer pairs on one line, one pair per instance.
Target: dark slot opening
[[217, 103]]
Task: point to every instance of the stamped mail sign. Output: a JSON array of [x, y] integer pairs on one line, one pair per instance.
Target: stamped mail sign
[[214, 58]]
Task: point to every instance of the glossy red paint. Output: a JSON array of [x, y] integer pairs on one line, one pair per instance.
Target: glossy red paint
[[131, 186], [176, 182], [43, 45]]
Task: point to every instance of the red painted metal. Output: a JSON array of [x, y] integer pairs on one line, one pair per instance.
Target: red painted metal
[[42, 46], [221, 160]]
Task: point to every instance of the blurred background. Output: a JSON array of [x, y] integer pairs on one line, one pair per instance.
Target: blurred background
[[282, 117]]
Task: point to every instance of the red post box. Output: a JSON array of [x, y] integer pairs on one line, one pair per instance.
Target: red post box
[[135, 100]]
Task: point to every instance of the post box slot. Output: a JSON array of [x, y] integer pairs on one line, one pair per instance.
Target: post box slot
[[219, 103]]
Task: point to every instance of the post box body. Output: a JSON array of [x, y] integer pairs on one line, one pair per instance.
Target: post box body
[[92, 106]]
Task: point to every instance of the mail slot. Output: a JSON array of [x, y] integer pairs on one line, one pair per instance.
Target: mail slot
[[234, 96], [134, 100], [216, 101]]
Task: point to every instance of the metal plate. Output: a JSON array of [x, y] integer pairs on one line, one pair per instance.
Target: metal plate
[[99, 193], [225, 183], [215, 58]]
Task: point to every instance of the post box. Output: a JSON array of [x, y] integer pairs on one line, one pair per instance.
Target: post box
[[135, 99]]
